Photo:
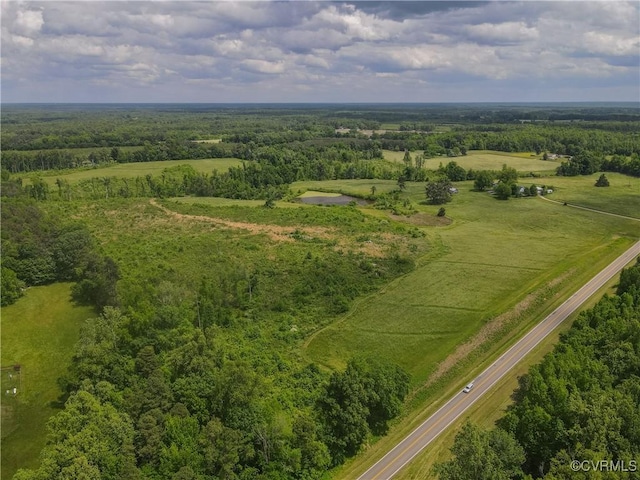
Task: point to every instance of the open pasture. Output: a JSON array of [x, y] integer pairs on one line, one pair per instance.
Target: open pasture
[[485, 160], [140, 169], [39, 332], [357, 188], [488, 160], [490, 258], [622, 196]]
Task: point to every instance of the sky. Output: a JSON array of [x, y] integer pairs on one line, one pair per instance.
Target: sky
[[307, 51]]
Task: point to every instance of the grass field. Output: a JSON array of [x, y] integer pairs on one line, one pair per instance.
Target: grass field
[[492, 406], [621, 197], [491, 256], [485, 160], [140, 169], [357, 188], [38, 332]]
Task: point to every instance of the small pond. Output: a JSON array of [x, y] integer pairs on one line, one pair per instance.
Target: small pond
[[324, 199]]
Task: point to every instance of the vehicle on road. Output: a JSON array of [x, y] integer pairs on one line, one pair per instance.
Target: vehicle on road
[[468, 388]]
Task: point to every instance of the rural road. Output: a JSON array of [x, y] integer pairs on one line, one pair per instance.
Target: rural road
[[413, 444]]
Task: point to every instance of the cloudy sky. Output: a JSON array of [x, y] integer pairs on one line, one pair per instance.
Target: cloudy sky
[[306, 51]]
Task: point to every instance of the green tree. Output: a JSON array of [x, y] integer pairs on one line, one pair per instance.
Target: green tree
[[438, 192], [482, 455], [502, 191], [11, 288], [483, 180], [508, 175], [602, 181], [455, 172], [88, 438], [361, 399], [533, 190]]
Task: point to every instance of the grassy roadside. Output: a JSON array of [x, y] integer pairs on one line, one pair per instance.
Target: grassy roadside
[[39, 332], [427, 401], [486, 411]]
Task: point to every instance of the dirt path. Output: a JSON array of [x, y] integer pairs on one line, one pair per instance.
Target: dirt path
[[275, 232]]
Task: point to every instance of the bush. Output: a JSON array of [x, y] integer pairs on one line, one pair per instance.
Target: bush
[[603, 181]]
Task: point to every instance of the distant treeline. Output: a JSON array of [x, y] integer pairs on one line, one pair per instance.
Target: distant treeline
[[252, 145]]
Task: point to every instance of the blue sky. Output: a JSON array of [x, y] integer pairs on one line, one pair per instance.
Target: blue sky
[[306, 51]]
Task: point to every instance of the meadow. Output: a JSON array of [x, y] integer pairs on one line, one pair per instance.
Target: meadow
[[138, 169], [485, 160], [484, 263], [39, 332], [622, 196]]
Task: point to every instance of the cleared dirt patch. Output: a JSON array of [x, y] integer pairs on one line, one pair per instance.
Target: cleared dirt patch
[[275, 232]]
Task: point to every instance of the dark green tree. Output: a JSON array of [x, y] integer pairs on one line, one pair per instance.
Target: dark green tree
[[602, 181], [502, 191], [438, 192], [482, 455], [11, 288], [88, 439], [483, 180]]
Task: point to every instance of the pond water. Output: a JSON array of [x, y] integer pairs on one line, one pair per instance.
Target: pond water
[[339, 200]]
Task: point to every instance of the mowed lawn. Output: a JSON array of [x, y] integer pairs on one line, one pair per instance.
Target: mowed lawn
[[485, 160], [39, 332], [491, 256], [140, 169]]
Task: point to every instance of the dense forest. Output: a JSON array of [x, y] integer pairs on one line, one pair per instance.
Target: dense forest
[[39, 139], [581, 403]]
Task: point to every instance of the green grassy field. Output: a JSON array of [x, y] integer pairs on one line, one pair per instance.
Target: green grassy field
[[621, 197], [491, 406], [313, 193], [492, 255], [358, 188], [140, 169], [38, 332], [485, 160]]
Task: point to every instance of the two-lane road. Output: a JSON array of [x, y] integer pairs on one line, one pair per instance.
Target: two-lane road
[[413, 444]]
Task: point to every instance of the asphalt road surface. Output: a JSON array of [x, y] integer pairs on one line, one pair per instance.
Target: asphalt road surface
[[413, 444]]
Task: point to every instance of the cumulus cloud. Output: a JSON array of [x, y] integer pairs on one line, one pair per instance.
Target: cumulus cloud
[[328, 51]]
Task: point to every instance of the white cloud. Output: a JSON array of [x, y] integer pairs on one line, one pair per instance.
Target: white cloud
[[28, 22], [333, 49], [262, 66]]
